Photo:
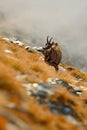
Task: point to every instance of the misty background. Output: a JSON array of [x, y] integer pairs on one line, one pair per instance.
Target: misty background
[[32, 20]]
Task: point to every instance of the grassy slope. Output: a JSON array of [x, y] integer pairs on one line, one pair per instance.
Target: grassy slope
[[19, 111]]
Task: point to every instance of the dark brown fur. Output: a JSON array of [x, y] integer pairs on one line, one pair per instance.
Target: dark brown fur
[[53, 53]]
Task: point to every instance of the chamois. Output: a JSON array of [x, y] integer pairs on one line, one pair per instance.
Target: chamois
[[53, 53]]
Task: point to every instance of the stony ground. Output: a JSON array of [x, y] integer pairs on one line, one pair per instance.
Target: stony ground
[[33, 96]]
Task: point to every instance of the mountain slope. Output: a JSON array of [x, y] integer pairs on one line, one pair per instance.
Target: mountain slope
[[33, 96]]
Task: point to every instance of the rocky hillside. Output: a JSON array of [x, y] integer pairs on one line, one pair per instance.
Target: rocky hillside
[[33, 96]]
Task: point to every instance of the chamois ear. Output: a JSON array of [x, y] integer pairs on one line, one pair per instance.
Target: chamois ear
[[52, 43]]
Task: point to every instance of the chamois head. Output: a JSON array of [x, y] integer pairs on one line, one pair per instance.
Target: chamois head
[[49, 43]]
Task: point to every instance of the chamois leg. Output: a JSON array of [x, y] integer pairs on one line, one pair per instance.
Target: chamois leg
[[55, 66]]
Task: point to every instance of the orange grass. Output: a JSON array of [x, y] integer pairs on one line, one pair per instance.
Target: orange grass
[[15, 101]]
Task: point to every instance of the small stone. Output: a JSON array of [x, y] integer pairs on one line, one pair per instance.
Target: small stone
[[35, 85], [30, 49], [6, 39], [17, 42], [27, 47], [62, 82], [72, 120], [61, 108], [21, 76], [59, 81], [66, 110], [76, 90], [83, 88], [11, 126], [41, 58], [11, 105], [28, 93], [41, 93], [27, 86], [46, 86], [62, 69], [40, 49], [8, 51], [51, 80]]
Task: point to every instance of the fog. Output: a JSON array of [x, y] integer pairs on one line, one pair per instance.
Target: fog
[[65, 20]]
